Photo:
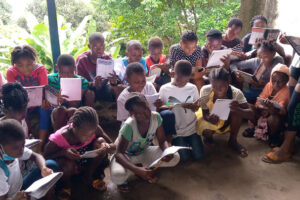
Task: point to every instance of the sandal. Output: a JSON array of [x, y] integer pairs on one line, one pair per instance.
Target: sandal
[[240, 149], [249, 132], [99, 185], [64, 194], [124, 188], [272, 158]]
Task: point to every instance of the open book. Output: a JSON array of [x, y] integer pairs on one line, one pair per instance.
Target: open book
[[155, 70], [263, 34], [216, 56], [151, 99], [104, 67], [37, 94], [295, 43], [40, 187], [168, 151], [151, 79], [275, 104], [71, 87], [29, 143], [222, 108]]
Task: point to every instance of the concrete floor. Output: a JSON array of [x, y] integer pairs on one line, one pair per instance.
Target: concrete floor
[[222, 175]]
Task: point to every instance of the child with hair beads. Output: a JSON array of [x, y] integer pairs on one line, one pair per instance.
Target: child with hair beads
[[67, 144]]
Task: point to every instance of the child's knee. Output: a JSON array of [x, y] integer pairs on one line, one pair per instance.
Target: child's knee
[[52, 164], [118, 173]]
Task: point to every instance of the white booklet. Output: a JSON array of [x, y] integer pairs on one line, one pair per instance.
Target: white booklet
[[221, 108], [151, 79], [216, 56], [51, 95], [151, 99], [265, 34], [90, 154], [71, 87], [275, 104], [29, 143], [105, 67], [39, 188], [168, 151], [35, 96], [155, 70]]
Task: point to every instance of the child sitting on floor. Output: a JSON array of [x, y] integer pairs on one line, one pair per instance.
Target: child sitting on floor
[[26, 71], [156, 58], [134, 53], [69, 143], [135, 76], [260, 67], [66, 69], [178, 121], [188, 49], [86, 66], [209, 124], [15, 100], [12, 151], [269, 117], [134, 144]]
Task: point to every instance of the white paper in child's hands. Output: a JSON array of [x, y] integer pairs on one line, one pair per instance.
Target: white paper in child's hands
[[168, 151], [29, 143], [35, 96], [151, 100], [105, 67], [71, 87], [91, 154], [40, 187], [222, 108], [151, 79], [216, 56]]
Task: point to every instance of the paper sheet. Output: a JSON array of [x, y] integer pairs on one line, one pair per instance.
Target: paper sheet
[[151, 99], [71, 87], [221, 108], [29, 143], [275, 104], [155, 70], [51, 95], [216, 56], [166, 152], [105, 67], [40, 187], [35, 95], [151, 79], [90, 154]]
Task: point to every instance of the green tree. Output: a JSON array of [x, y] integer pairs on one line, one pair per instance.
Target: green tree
[[141, 19], [73, 11], [5, 12]]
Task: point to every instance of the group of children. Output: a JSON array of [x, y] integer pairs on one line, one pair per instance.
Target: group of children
[[181, 113]]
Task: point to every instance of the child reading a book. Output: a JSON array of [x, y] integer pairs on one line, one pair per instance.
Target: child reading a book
[[68, 144], [26, 71], [134, 144], [268, 116], [188, 49], [260, 67], [135, 76], [178, 122], [15, 100], [134, 53], [86, 66], [157, 59], [12, 151], [233, 29], [209, 124], [66, 69]]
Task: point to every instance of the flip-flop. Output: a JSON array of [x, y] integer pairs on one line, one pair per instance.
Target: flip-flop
[[240, 149], [99, 185], [64, 194], [272, 158], [249, 132], [124, 188]]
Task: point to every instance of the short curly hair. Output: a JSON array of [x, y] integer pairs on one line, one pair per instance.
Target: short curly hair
[[154, 43], [189, 36], [258, 17]]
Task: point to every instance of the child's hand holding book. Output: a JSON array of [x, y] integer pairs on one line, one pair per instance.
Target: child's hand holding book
[[146, 174], [46, 171]]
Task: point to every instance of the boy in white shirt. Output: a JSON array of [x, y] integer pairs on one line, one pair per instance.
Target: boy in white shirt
[[135, 76], [179, 122], [12, 141]]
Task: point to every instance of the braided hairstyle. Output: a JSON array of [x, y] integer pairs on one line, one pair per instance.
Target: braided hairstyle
[[14, 97], [21, 52], [85, 116]]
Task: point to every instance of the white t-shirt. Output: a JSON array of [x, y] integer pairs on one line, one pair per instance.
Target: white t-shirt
[[185, 118], [122, 113], [12, 184]]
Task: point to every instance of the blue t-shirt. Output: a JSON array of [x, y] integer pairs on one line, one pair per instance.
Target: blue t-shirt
[[142, 61]]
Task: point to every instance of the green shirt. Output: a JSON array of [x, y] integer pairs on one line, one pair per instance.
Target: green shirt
[[54, 81]]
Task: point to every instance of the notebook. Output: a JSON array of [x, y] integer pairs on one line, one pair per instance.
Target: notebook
[[71, 87], [216, 56], [36, 95], [263, 34], [104, 68], [294, 42], [222, 108]]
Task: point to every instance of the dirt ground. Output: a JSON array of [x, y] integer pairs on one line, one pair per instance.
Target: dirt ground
[[221, 175]]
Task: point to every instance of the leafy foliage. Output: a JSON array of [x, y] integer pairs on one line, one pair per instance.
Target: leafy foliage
[[5, 12]]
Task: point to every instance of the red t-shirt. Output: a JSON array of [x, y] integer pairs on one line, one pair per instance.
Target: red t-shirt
[[85, 67], [37, 77], [150, 62]]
